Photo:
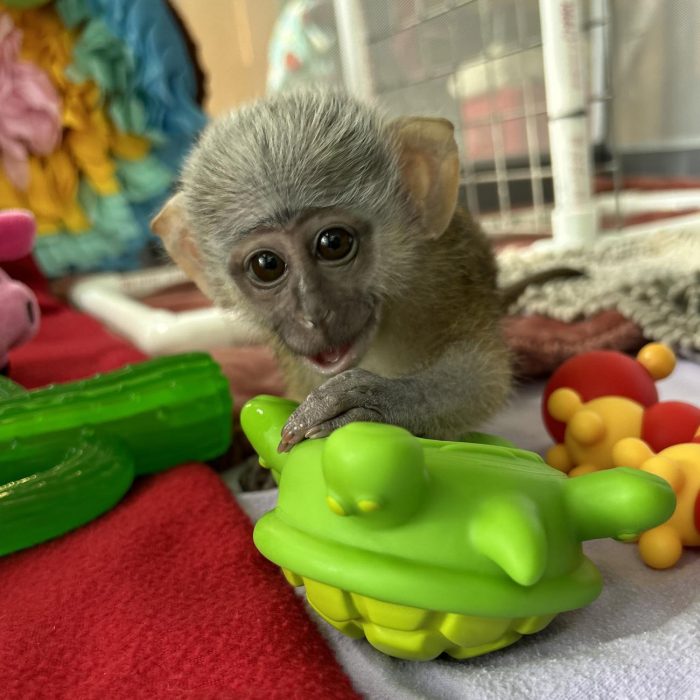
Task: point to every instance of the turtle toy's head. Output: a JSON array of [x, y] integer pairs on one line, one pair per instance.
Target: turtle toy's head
[[369, 469], [262, 420], [374, 470]]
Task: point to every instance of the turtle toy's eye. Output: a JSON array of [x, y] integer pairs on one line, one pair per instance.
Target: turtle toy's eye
[[335, 243], [265, 267]]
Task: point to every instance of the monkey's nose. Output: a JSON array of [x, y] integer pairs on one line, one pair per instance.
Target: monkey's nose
[[314, 321]]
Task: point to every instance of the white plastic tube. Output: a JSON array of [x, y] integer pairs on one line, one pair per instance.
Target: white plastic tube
[[646, 201], [574, 219], [112, 299], [598, 21], [352, 42]]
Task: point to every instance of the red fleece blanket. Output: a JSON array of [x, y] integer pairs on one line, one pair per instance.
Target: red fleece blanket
[[163, 597]]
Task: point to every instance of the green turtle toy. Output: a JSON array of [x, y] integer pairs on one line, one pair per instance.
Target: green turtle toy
[[424, 546]]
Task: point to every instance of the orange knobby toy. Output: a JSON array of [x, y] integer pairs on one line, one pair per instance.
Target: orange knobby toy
[[679, 465]]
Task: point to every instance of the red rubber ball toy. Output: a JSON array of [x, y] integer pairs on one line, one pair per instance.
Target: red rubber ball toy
[[670, 423], [595, 374]]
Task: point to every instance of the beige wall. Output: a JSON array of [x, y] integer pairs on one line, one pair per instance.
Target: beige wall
[[232, 38]]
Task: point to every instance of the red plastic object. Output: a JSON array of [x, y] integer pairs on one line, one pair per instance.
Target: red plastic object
[[669, 423], [595, 374]]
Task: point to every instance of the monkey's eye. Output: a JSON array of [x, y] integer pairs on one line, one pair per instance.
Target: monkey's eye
[[265, 266], [335, 243]]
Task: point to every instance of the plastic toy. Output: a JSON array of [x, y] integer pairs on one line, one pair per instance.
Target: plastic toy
[[662, 546], [19, 311], [17, 230], [609, 373], [113, 298], [597, 399], [425, 546], [68, 453]]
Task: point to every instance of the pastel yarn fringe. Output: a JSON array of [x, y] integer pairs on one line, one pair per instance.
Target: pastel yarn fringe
[[102, 110]]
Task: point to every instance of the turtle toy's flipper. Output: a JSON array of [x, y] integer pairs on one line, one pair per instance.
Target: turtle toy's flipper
[[262, 420], [619, 503]]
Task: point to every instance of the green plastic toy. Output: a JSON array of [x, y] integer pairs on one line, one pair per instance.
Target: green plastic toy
[[69, 452], [425, 546]]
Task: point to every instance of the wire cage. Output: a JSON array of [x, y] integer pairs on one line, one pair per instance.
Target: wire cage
[[481, 64]]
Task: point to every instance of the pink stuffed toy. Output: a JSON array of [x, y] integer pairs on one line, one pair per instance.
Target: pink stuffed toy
[[19, 310]]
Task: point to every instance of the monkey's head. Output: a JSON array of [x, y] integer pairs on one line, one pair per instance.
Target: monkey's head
[[307, 212]]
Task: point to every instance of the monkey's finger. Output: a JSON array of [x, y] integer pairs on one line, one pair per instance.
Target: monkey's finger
[[315, 410], [288, 441], [354, 415], [292, 433], [354, 388], [325, 428]]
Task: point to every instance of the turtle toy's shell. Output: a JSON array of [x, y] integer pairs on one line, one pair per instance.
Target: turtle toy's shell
[[424, 546]]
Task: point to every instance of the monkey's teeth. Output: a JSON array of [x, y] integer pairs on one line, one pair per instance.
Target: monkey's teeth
[[331, 356]]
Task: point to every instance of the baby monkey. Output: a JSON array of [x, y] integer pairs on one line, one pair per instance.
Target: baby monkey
[[337, 233]]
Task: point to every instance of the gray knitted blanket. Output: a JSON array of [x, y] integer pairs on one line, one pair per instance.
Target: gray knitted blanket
[[651, 278]]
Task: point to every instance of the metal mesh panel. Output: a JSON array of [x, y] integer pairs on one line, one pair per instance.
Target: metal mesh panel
[[479, 64]]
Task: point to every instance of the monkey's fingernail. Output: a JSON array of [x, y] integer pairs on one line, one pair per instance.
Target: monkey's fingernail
[[288, 435]]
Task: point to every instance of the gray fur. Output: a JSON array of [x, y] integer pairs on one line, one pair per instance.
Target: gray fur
[[270, 160], [436, 363]]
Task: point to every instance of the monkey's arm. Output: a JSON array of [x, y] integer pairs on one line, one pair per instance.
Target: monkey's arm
[[447, 399]]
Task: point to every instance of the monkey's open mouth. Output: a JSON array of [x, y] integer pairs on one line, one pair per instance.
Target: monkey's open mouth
[[334, 360]]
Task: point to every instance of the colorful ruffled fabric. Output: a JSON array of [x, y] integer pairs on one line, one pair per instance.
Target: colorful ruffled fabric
[[30, 109], [125, 112]]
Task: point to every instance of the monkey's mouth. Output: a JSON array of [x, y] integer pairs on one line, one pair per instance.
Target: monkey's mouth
[[335, 359], [342, 349]]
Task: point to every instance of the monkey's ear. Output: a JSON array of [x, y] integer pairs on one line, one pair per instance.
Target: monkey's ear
[[170, 225], [429, 164]]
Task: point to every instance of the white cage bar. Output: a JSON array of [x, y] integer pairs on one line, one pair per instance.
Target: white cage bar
[[574, 218]]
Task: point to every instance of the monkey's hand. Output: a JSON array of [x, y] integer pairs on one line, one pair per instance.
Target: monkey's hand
[[467, 385], [353, 395]]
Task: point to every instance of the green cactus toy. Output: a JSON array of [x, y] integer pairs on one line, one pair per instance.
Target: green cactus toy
[[69, 452], [426, 547]]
